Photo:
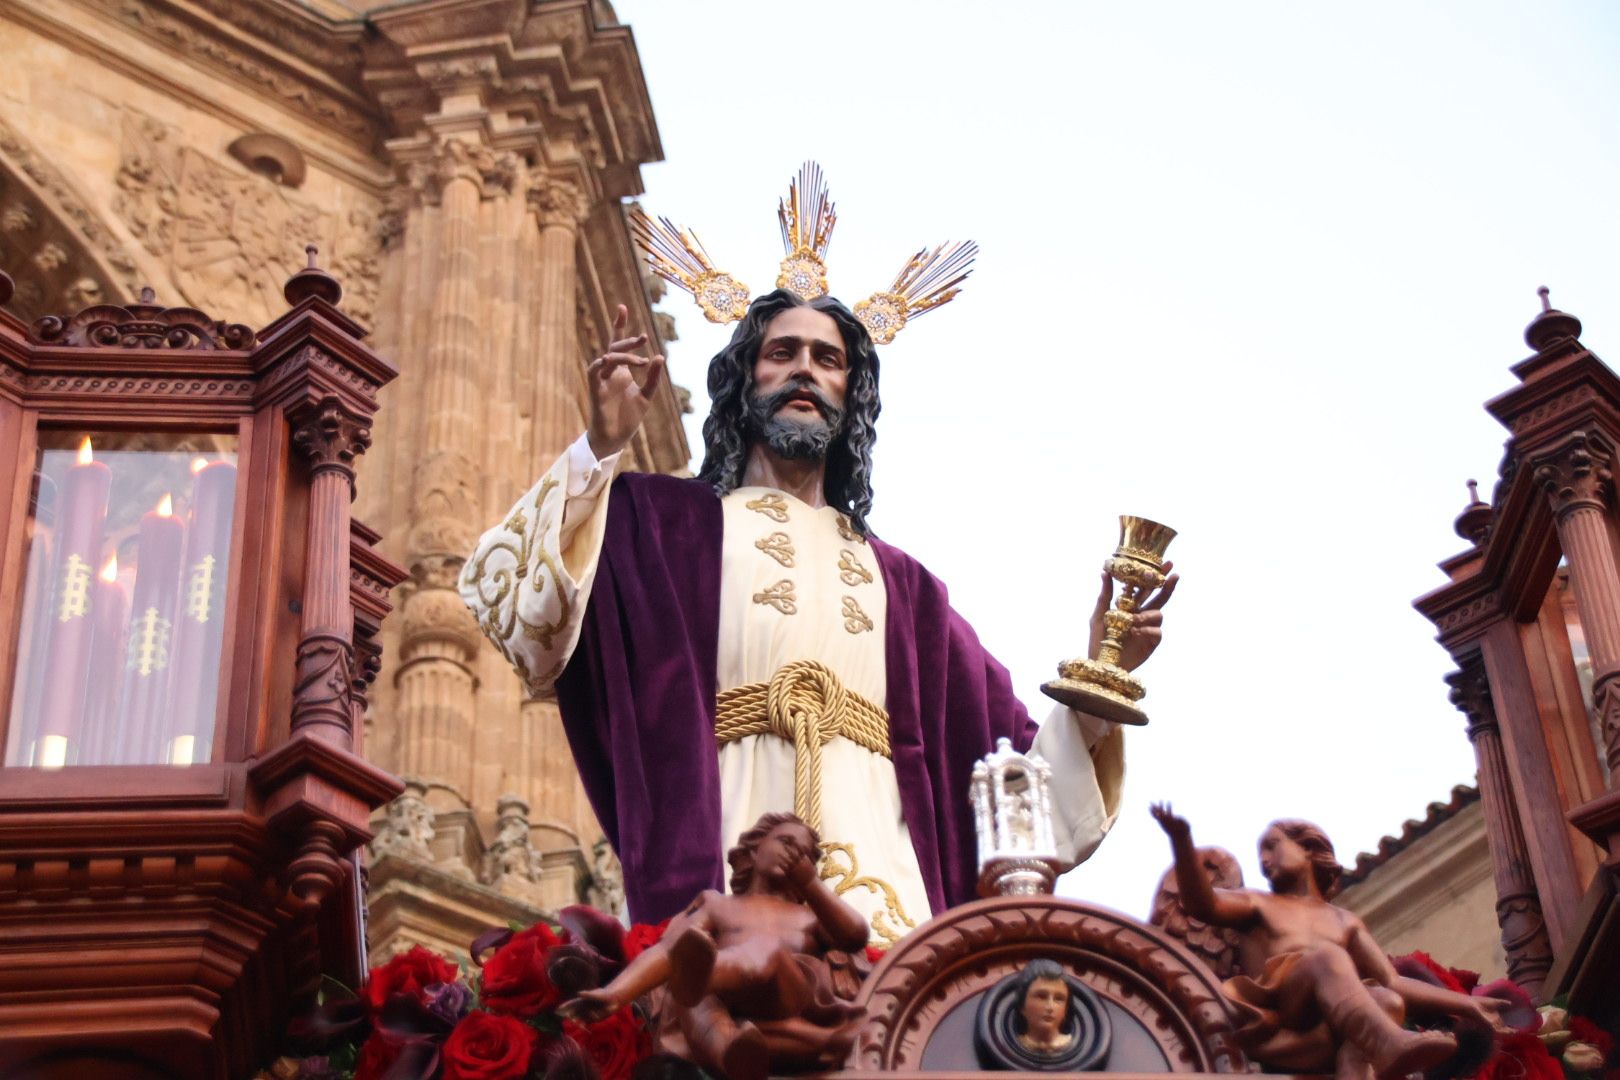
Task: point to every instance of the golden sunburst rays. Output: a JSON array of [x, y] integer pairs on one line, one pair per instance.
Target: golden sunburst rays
[[929, 280], [677, 256], [807, 218]]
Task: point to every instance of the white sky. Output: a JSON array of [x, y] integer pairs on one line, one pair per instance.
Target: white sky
[[1248, 269]]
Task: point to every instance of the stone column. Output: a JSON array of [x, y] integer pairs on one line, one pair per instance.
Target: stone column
[[560, 207], [1518, 905], [439, 638], [1576, 477], [551, 781]]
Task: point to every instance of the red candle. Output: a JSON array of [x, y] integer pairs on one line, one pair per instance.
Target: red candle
[[109, 614], [82, 513], [34, 630], [149, 640], [199, 631]]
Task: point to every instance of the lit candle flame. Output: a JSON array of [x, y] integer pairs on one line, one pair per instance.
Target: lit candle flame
[[85, 456], [165, 506], [109, 571], [198, 464]]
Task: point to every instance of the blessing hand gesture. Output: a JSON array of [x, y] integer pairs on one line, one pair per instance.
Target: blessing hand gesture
[[1146, 625], [618, 402]]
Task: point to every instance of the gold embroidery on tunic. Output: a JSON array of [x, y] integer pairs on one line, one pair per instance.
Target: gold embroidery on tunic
[[850, 570], [856, 621], [779, 596], [890, 923], [772, 505], [499, 587], [779, 546], [847, 532]]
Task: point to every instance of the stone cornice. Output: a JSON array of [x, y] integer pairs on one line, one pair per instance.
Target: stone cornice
[[549, 66]]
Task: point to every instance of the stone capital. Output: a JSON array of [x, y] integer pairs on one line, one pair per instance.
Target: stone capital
[[558, 202], [330, 436], [1575, 473], [492, 172]]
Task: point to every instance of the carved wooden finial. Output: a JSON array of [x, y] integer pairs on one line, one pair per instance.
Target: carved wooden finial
[[312, 281], [1474, 523], [1550, 325]]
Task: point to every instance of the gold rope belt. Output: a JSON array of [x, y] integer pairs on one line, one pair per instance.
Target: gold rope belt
[[806, 704]]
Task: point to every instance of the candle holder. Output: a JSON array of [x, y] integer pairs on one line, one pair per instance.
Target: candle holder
[[1100, 687]]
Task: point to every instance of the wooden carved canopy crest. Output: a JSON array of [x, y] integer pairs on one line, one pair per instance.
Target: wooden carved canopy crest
[[143, 325]]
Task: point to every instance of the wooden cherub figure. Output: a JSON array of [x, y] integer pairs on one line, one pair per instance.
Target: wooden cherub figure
[[748, 984], [1317, 990]]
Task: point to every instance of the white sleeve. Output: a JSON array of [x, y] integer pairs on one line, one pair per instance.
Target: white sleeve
[[1087, 756], [530, 577]]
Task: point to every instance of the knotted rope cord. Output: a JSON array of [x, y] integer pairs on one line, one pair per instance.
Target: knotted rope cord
[[808, 705]]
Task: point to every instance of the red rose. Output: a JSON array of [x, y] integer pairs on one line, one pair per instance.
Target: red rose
[[1583, 1030], [641, 938], [1521, 1056], [376, 1056], [1422, 966], [408, 973], [875, 953], [515, 979], [614, 1045], [488, 1047]]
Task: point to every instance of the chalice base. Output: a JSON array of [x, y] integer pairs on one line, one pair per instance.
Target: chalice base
[[1101, 690]]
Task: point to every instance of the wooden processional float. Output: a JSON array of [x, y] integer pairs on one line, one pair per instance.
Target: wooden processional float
[[188, 620]]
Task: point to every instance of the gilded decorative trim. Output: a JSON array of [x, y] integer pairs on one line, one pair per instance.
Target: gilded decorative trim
[[500, 627], [779, 596], [856, 621], [847, 532], [779, 546], [892, 922], [772, 505], [850, 570]]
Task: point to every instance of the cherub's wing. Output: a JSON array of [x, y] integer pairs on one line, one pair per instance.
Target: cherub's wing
[[1216, 945]]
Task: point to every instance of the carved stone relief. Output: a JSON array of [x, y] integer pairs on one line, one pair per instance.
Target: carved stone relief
[[63, 258], [232, 237]]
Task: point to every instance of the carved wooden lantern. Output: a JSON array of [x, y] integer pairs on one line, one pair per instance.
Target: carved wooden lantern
[[187, 627]]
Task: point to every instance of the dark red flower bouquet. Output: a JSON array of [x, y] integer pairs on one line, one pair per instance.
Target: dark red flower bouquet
[[1544, 1044], [419, 1017]]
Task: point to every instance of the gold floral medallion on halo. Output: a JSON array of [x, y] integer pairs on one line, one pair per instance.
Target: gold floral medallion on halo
[[804, 274], [883, 315], [722, 297]]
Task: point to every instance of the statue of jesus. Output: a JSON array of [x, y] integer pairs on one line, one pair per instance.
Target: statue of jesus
[[740, 643]]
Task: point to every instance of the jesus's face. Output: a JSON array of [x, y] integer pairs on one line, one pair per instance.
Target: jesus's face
[[800, 376]]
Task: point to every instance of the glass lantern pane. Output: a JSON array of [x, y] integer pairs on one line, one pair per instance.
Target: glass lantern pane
[[129, 552]]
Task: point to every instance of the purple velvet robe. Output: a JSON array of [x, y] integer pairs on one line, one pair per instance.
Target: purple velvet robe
[[638, 702]]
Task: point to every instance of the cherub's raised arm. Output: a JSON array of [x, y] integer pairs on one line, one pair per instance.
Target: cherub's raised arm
[[1199, 896]]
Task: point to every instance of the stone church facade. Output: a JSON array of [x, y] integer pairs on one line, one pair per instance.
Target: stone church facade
[[463, 167]]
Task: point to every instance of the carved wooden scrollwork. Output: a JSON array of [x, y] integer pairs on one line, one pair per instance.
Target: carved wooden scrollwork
[[1174, 998], [143, 325], [1524, 938], [324, 691], [1471, 693], [330, 436]]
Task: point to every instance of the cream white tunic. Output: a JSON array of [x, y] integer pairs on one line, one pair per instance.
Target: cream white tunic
[[796, 583]]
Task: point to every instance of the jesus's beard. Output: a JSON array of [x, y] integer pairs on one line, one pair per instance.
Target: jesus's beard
[[794, 440]]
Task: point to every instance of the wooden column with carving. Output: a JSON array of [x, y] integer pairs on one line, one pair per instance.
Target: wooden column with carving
[[1540, 769], [1576, 475], [1518, 906]]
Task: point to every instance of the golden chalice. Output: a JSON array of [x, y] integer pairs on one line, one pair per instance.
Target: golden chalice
[[1101, 687]]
